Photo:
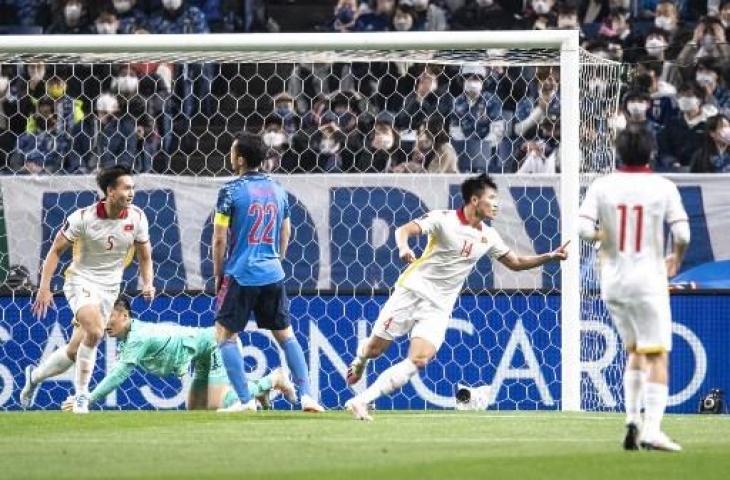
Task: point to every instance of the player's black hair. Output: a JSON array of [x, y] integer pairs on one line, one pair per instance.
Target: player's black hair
[[251, 148], [123, 302], [476, 186], [108, 177], [634, 146]]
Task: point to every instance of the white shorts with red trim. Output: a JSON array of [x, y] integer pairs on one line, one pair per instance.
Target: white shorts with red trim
[[406, 312], [80, 293], [644, 323]]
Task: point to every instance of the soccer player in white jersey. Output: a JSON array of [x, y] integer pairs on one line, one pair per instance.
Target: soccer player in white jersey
[[426, 291], [626, 212], [104, 236]]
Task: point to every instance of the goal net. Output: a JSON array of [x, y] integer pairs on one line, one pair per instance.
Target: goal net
[[365, 132]]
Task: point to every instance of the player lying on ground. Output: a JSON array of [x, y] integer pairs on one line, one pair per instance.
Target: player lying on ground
[[427, 290], [104, 238], [168, 349], [626, 211]]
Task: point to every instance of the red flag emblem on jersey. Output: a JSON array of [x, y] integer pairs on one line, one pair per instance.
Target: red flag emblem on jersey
[[129, 227]]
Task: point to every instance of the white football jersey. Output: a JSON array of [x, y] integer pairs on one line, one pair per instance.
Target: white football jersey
[[103, 246], [454, 247], [632, 208]]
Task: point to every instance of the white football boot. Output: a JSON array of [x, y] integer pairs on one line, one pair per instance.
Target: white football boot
[[359, 409], [81, 403], [310, 405], [661, 442], [249, 406], [29, 391]]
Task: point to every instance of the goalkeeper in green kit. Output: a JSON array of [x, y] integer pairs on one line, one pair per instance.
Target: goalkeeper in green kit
[[170, 350]]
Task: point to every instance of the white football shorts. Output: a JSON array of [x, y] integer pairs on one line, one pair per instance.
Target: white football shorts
[[643, 322], [406, 312], [81, 292]]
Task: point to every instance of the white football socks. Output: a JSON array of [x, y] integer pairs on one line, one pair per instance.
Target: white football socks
[[390, 380], [655, 402], [54, 364], [85, 360], [633, 390]]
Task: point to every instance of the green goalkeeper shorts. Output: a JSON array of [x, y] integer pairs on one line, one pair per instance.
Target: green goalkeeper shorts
[[208, 368]]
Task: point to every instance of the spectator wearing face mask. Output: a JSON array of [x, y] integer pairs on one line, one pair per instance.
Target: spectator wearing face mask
[[346, 12], [470, 121], [277, 142], [432, 153], [284, 109], [74, 19], [481, 15], [70, 111], [666, 17], [616, 31], [684, 134], [382, 150], [636, 107], [43, 147], [105, 139], [663, 94], [378, 20], [710, 79], [328, 145], [428, 17], [540, 15], [106, 24], [714, 156], [708, 41]]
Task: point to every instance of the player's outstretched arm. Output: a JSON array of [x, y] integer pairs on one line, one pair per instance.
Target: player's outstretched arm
[[144, 256], [402, 234], [526, 262], [44, 297]]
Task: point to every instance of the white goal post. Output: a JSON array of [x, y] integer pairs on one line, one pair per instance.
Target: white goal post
[[413, 46]]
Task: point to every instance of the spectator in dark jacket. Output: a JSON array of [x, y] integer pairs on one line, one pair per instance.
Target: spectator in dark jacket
[[714, 157], [73, 20], [43, 148], [684, 134]]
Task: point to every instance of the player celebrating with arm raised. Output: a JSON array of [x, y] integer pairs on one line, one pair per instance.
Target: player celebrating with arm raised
[[626, 211], [104, 237], [165, 349], [255, 210], [427, 290]]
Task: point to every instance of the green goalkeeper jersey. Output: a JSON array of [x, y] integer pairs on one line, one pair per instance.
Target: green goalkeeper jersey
[[158, 348]]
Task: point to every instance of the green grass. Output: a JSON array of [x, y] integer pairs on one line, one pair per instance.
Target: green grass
[[404, 445]]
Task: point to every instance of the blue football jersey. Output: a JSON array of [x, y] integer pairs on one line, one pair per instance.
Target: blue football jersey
[[254, 208]]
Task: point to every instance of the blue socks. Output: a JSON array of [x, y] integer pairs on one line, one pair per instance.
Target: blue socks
[[234, 367], [298, 366]]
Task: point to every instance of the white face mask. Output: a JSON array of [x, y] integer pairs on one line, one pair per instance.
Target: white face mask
[[4, 83], [485, 3], [171, 4], [106, 103], [127, 84], [688, 104], [705, 79], [383, 141], [655, 47], [403, 24], [274, 139], [72, 11], [122, 6], [473, 87], [541, 7], [636, 109], [106, 28], [665, 23]]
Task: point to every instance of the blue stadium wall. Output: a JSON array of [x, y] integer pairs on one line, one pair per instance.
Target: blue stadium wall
[[511, 342]]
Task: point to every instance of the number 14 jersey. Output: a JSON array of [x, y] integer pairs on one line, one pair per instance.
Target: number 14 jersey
[[454, 247]]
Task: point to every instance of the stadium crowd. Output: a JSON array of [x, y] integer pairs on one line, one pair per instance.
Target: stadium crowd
[[365, 117]]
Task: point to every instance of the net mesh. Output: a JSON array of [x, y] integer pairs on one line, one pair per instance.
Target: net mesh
[[363, 142]]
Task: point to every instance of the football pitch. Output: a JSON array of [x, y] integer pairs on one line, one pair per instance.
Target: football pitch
[[398, 445]]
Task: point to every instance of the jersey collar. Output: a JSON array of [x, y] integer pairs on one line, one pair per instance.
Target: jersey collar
[[462, 218], [103, 214], [635, 169]]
